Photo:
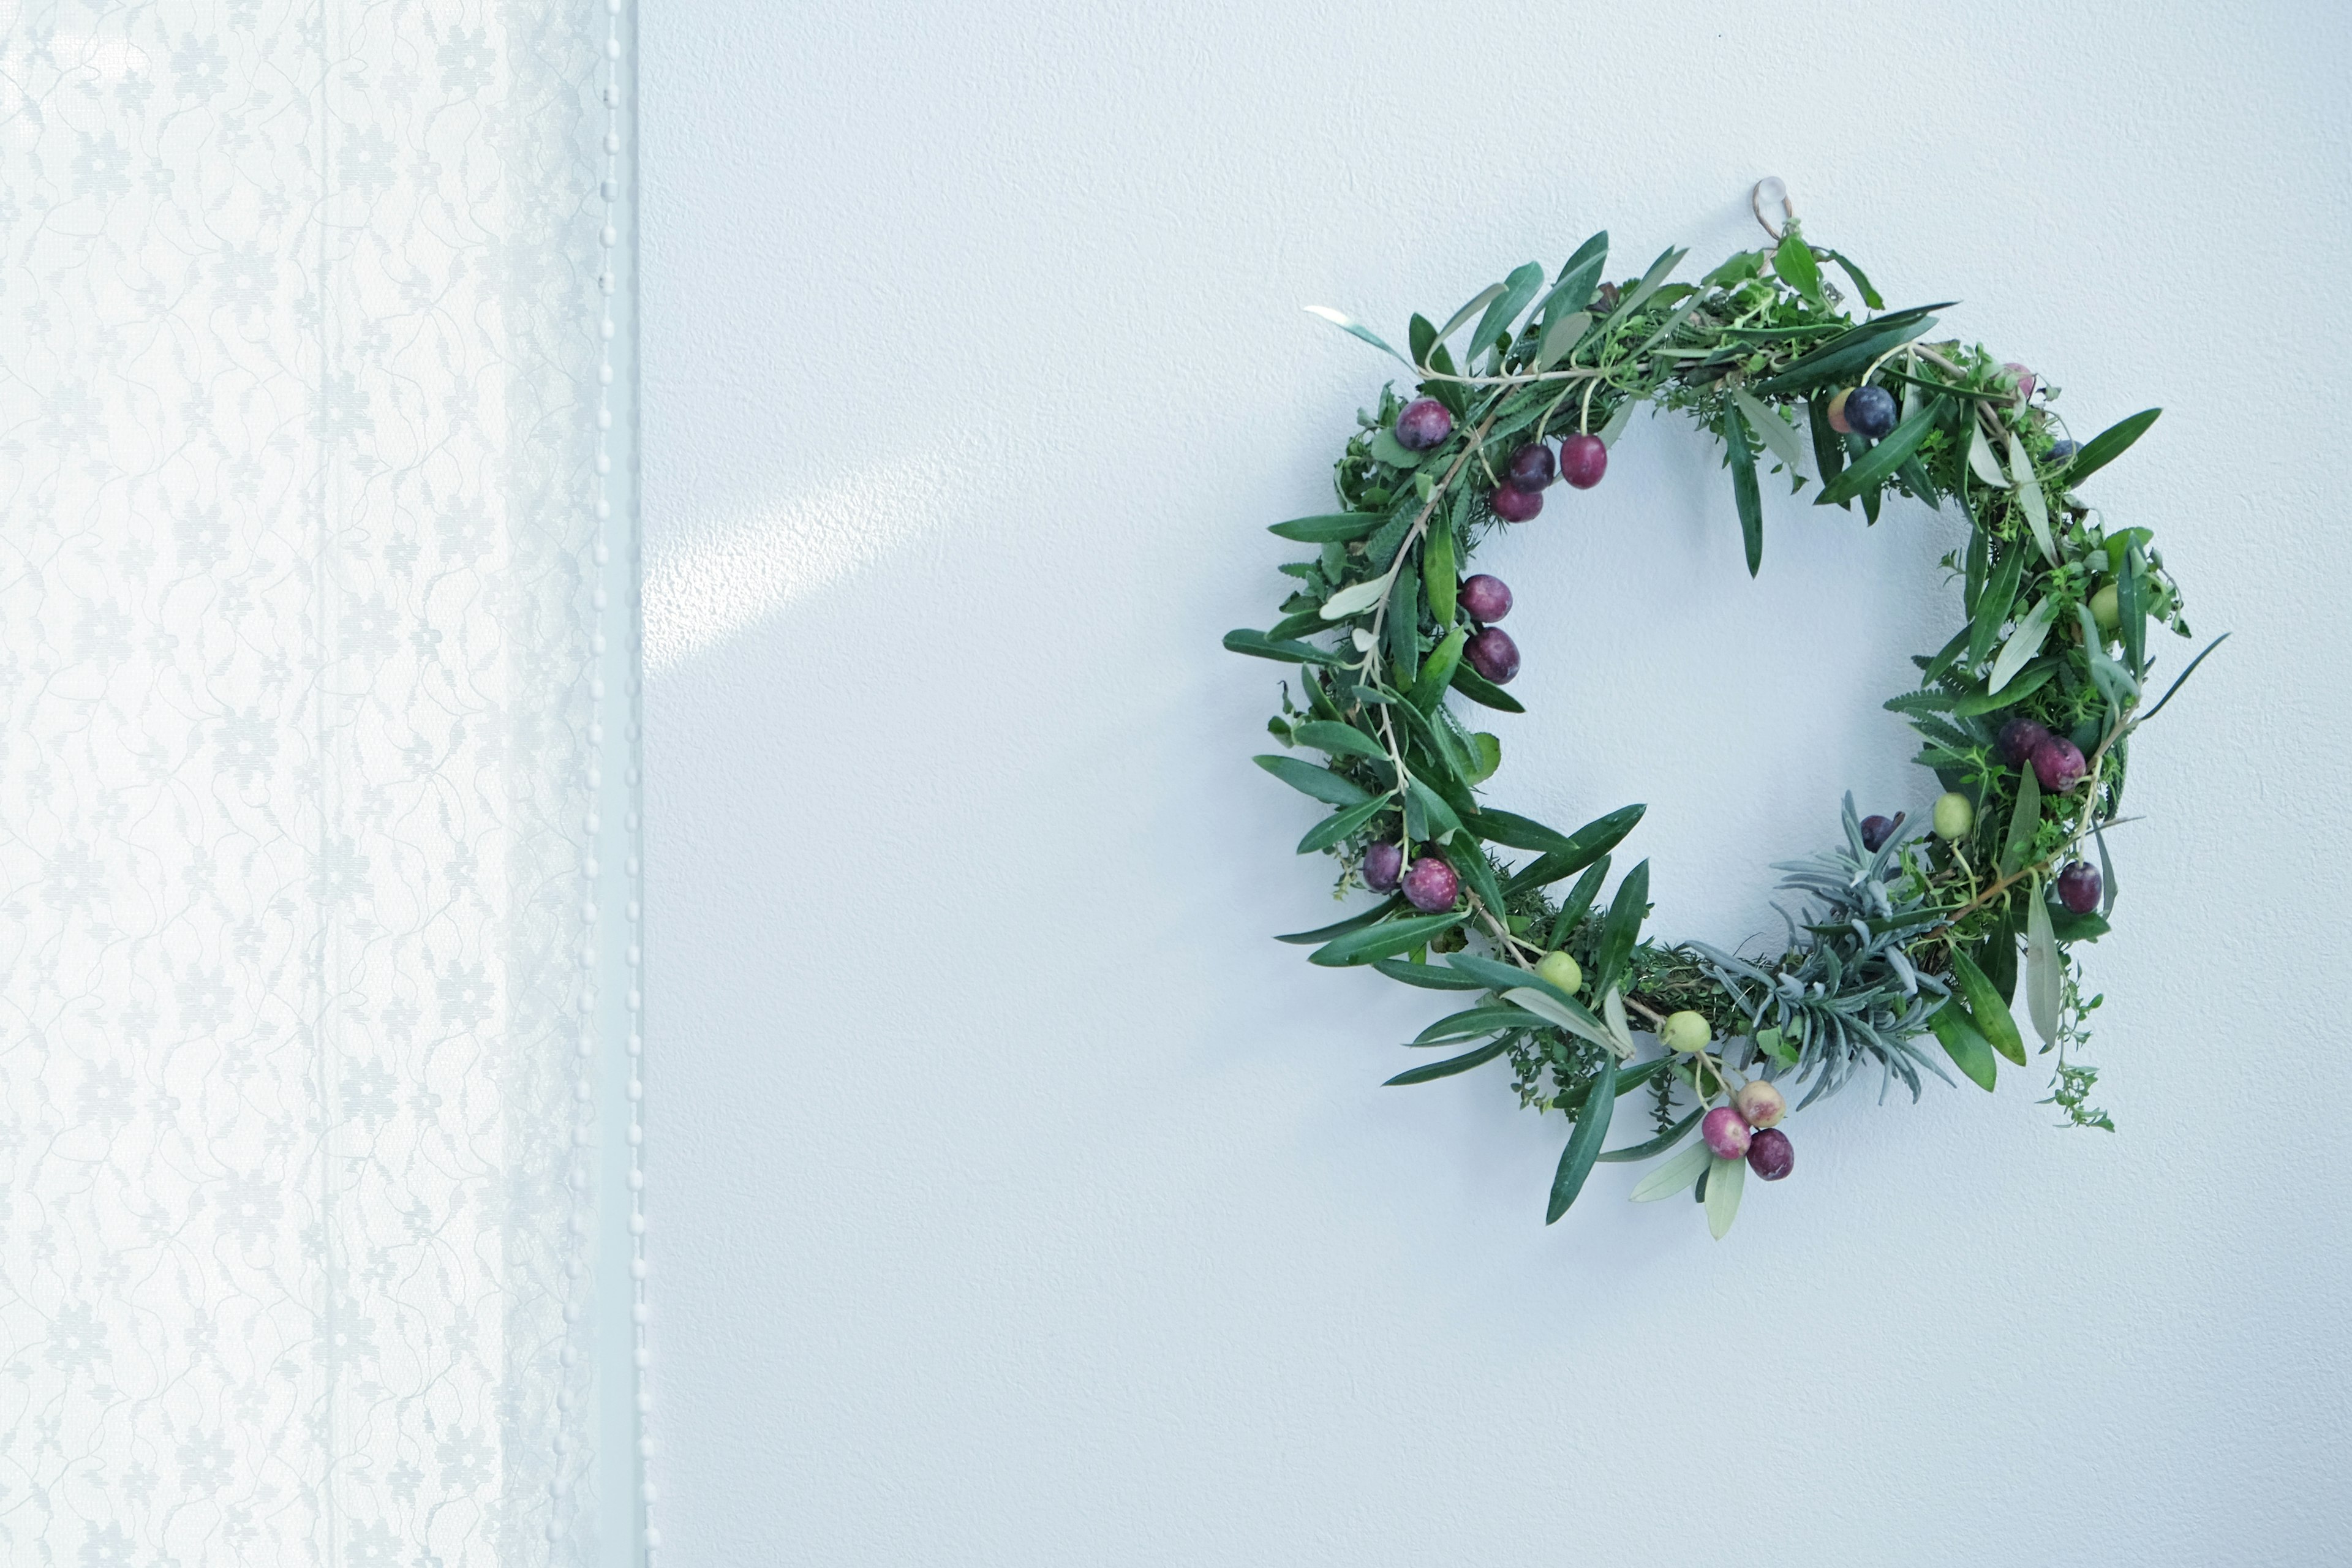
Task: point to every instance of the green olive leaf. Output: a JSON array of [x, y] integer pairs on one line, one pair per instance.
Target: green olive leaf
[[2108, 445], [1993, 606], [2030, 500], [1725, 1178], [2024, 821], [1751, 506], [1307, 779], [1477, 302], [1988, 1010], [2042, 972], [1460, 1063], [1981, 459], [1353, 327], [1674, 1177], [1965, 1044], [1355, 599], [2023, 643], [1771, 428], [1875, 467], [1441, 585], [1584, 1143], [1339, 740], [1383, 941]]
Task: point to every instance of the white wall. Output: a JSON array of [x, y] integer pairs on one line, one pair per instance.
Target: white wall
[[1017, 1202]]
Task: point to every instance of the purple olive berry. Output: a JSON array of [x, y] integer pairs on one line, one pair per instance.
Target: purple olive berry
[[1836, 412], [2025, 381], [1382, 864], [2058, 763], [1485, 599], [1725, 1132], [1770, 1155], [2060, 452], [1494, 654], [1583, 460], [1513, 504], [1871, 411], [1531, 467], [1423, 423], [1875, 830], [2018, 738], [2079, 888], [1431, 885]]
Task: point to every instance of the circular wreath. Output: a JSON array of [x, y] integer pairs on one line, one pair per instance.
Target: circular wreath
[[2027, 711]]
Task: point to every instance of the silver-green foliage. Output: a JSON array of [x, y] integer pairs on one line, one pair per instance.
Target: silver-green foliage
[[1845, 994]]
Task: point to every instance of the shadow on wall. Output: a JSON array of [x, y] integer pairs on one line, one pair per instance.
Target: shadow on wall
[[709, 582]]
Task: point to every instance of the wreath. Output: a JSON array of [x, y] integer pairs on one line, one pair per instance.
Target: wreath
[[1907, 932]]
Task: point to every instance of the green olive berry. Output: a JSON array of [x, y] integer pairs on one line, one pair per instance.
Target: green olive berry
[[1954, 816], [1560, 970], [1686, 1032], [2105, 608]]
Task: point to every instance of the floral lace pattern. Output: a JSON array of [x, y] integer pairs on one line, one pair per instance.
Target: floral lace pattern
[[299, 780]]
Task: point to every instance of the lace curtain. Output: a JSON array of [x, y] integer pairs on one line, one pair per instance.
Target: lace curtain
[[318, 1236]]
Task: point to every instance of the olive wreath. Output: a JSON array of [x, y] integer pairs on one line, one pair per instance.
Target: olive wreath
[[2027, 712]]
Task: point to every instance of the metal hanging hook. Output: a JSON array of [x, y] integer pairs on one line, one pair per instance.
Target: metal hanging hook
[[1771, 189]]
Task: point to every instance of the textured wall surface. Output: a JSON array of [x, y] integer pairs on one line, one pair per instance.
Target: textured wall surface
[[1015, 1201]]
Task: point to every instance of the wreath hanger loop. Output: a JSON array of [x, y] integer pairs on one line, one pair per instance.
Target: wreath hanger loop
[[1771, 188]]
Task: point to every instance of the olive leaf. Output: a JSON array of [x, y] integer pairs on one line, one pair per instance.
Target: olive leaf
[[1517, 289], [1658, 1145], [1349, 324], [1307, 779], [1460, 1063], [1981, 459], [2042, 970], [1675, 1176], [1383, 941], [1257, 645], [1743, 489], [1355, 599], [1485, 693], [1429, 976], [1564, 1012], [1584, 1143], [1560, 337], [1440, 579], [1339, 740], [1987, 1009], [1877, 466], [1340, 525], [1621, 927], [1652, 281], [1771, 428], [1862, 284], [1965, 1044], [2030, 500], [1430, 686], [1725, 1180], [1340, 928], [1478, 301], [1829, 451], [1334, 829], [2024, 821], [2023, 643], [2131, 610], [2108, 445], [1474, 1023]]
